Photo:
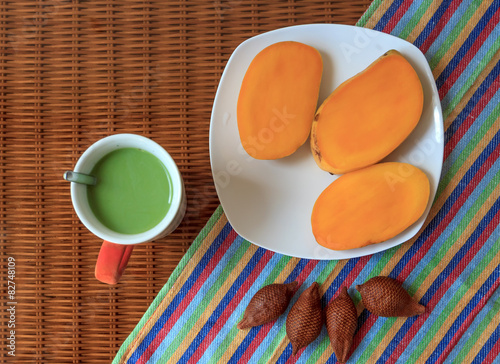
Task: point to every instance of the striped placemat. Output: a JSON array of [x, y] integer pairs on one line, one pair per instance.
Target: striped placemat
[[452, 266]]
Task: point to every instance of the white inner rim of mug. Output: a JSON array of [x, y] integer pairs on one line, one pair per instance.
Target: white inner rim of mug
[[79, 192]]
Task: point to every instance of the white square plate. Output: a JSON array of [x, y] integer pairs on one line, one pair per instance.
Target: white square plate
[[269, 203]]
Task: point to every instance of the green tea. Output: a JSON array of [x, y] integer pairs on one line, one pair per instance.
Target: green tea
[[133, 191]]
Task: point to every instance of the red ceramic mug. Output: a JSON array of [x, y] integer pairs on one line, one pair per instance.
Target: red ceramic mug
[[117, 247]]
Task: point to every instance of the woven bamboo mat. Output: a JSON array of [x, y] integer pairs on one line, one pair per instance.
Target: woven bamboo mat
[[71, 73]]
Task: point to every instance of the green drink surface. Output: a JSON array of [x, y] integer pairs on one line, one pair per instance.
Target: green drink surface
[[133, 191]]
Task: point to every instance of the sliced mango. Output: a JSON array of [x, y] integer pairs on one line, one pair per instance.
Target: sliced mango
[[370, 205], [278, 99], [368, 116]]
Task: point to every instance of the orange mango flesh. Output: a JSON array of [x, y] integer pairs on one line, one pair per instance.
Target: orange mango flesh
[[370, 205], [278, 99], [367, 116]]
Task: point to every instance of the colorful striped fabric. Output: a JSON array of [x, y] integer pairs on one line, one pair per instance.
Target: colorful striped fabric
[[452, 266]]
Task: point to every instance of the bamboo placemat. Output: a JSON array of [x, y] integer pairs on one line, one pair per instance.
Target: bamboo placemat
[[72, 72]]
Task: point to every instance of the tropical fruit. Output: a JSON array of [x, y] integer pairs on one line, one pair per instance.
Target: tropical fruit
[[305, 319], [268, 303], [278, 98], [341, 324], [369, 205], [368, 116], [386, 297]]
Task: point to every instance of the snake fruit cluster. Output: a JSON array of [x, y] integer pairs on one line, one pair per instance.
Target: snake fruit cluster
[[382, 296]]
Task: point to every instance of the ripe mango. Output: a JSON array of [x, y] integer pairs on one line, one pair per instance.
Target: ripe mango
[[278, 98], [367, 116], [370, 205]]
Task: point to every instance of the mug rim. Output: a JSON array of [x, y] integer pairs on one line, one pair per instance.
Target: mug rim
[[79, 192]]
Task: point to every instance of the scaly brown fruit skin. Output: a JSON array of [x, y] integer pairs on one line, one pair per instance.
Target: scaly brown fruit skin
[[268, 303], [341, 324], [305, 319], [384, 296]]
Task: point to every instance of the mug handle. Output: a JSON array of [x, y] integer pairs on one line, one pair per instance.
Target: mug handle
[[111, 261]]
